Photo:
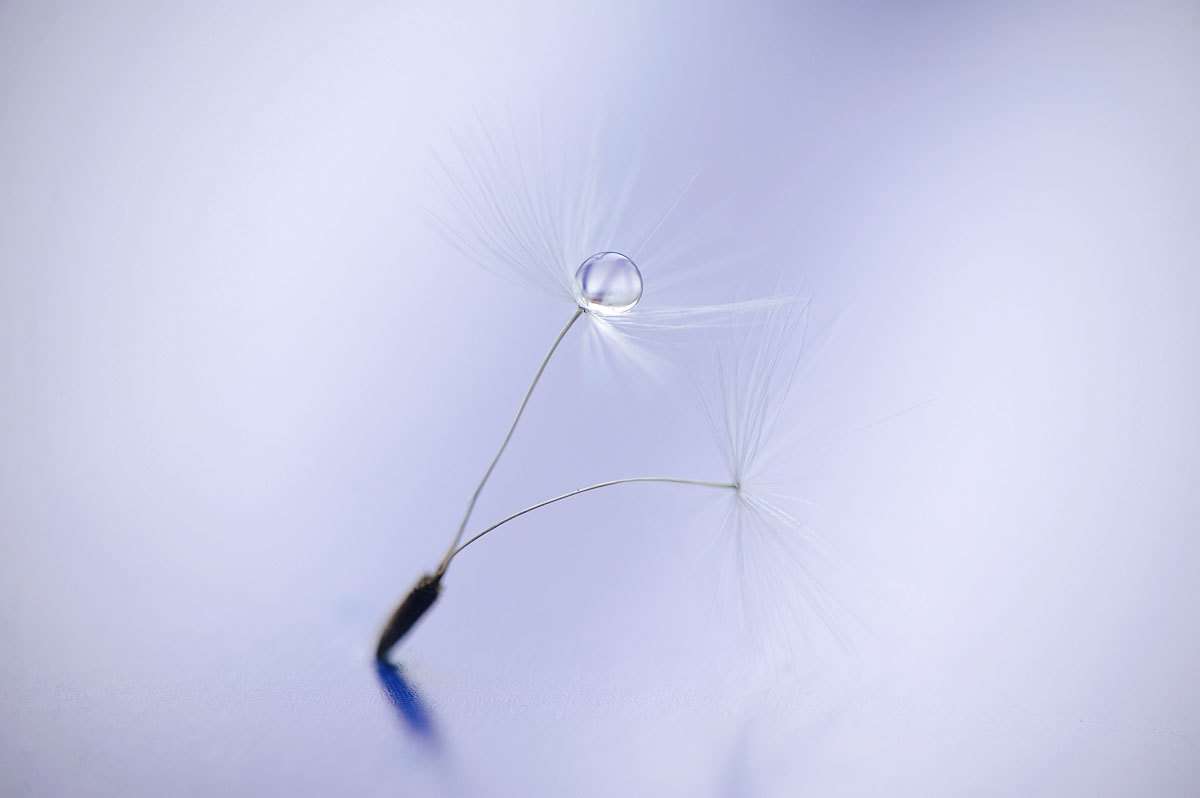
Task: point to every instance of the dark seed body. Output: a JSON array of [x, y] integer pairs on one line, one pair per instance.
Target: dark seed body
[[416, 604]]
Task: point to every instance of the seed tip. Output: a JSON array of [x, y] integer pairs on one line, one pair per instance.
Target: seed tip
[[415, 604]]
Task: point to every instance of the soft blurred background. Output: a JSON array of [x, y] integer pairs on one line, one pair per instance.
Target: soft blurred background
[[246, 388]]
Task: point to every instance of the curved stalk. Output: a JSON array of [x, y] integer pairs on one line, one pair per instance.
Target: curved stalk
[[450, 552], [675, 480], [423, 595]]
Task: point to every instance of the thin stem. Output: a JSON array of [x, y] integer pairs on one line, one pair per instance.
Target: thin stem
[[450, 552], [597, 486]]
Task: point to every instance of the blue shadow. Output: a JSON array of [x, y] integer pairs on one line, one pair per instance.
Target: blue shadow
[[405, 700]]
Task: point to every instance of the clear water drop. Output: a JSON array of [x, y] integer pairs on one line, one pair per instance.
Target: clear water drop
[[609, 282]]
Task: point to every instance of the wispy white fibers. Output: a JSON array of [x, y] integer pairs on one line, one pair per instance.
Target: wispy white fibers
[[507, 207], [531, 201], [770, 562]]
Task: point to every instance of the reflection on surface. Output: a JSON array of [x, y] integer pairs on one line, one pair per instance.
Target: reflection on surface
[[404, 699]]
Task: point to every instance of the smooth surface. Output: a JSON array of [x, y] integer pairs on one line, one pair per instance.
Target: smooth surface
[[609, 282], [247, 384]]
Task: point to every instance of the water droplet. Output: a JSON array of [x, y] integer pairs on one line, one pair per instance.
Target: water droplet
[[609, 282]]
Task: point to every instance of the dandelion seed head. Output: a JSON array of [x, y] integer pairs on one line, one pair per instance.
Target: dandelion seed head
[[772, 563], [608, 282], [529, 205], [570, 216]]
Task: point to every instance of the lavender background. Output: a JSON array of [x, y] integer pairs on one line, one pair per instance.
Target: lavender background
[[245, 389]]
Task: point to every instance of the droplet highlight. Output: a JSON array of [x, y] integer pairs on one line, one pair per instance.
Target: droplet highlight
[[609, 282]]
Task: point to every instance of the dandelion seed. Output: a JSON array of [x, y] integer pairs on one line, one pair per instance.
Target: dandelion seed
[[770, 557], [509, 225]]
